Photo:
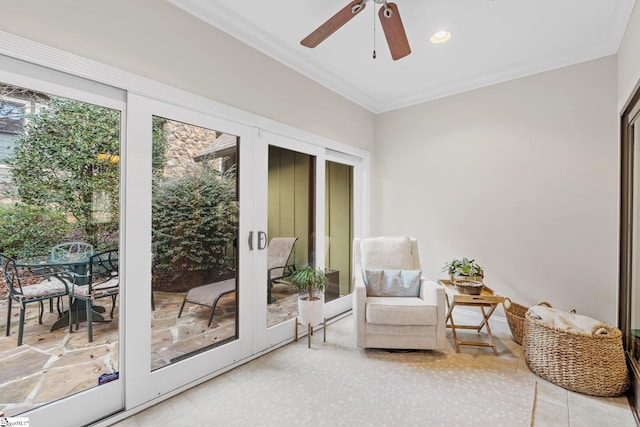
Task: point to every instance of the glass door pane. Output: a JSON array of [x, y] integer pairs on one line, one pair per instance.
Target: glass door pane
[[308, 194], [194, 240], [193, 273], [59, 188], [635, 250], [290, 228], [289, 210], [338, 229]]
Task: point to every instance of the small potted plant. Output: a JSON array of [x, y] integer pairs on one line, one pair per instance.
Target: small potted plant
[[466, 274], [310, 283]]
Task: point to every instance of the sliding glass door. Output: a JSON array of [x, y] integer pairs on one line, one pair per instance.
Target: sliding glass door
[[194, 237], [231, 212], [287, 194], [345, 195], [60, 186], [193, 293], [305, 199], [208, 217], [339, 227], [629, 314]]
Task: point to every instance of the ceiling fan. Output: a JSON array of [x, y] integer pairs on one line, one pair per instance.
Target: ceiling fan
[[389, 18]]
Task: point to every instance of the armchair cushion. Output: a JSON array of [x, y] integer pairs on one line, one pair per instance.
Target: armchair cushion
[[393, 283], [400, 311], [392, 253]]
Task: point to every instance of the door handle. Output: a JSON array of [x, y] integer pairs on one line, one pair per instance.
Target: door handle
[[250, 240], [262, 240]]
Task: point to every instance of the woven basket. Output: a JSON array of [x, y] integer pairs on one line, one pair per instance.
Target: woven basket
[[587, 363], [469, 287], [515, 317]]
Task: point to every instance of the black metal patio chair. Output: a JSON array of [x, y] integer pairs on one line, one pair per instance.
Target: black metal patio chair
[[29, 285], [102, 280]]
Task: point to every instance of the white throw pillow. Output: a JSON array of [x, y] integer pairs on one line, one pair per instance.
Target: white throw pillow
[[393, 283]]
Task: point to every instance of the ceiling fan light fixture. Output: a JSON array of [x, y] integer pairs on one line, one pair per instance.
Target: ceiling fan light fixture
[[440, 37]]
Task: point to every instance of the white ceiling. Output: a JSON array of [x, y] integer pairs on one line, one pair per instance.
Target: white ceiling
[[493, 41]]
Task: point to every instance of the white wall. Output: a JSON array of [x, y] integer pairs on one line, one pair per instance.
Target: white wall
[[157, 40], [522, 176], [629, 59]]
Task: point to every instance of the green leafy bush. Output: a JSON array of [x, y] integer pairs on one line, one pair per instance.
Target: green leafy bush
[[27, 230], [194, 222], [68, 152], [68, 156]]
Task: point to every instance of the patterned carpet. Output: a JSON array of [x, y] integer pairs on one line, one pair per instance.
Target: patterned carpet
[[337, 384]]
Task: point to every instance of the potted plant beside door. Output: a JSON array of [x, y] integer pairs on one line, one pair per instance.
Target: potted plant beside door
[[310, 283]]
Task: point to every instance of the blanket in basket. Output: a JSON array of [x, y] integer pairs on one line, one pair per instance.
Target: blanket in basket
[[566, 321]]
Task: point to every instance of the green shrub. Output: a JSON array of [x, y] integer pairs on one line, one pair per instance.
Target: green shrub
[[27, 230], [194, 221], [68, 152], [68, 156]]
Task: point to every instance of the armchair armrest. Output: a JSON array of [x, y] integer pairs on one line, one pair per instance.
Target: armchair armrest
[[431, 291], [435, 293], [359, 293], [359, 305]]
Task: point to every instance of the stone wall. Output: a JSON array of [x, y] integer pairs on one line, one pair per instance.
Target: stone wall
[[185, 142]]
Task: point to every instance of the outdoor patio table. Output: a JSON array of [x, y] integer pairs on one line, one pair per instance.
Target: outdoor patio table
[[64, 270]]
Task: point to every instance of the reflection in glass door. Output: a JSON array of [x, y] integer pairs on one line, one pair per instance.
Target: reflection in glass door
[[290, 227], [629, 313], [194, 240], [634, 291], [338, 229]]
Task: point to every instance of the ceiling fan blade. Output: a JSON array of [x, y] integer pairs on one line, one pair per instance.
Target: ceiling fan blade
[[333, 23], [394, 31]]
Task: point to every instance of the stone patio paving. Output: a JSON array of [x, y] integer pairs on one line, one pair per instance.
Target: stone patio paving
[[52, 365]]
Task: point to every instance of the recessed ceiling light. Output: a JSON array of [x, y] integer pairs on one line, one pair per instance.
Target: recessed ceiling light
[[440, 37]]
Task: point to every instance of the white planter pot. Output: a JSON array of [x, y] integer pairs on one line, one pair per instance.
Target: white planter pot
[[310, 311]]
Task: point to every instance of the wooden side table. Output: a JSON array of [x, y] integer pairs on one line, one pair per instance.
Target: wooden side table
[[486, 300]]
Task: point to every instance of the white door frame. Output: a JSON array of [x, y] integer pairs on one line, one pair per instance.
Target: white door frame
[[344, 303], [143, 384], [274, 336], [266, 338]]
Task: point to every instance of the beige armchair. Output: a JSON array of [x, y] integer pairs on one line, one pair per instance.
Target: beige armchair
[[400, 322]]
